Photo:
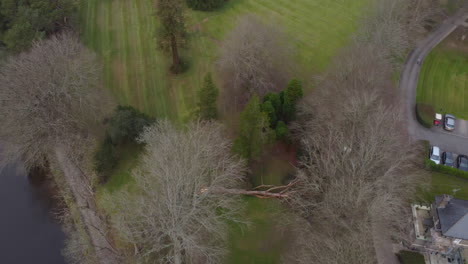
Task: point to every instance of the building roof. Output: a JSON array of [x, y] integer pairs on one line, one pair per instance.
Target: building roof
[[454, 218]]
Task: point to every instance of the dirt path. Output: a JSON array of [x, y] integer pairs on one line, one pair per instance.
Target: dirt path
[[84, 199]]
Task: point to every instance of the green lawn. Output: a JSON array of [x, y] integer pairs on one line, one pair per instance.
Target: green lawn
[[443, 82], [122, 32], [445, 184], [261, 242]]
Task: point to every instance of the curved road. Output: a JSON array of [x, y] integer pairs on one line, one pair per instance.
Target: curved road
[[451, 141]]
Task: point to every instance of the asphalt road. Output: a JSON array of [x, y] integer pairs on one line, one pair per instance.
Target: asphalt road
[[456, 141]]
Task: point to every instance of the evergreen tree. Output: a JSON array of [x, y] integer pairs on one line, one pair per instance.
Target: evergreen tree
[[267, 107], [291, 95], [275, 101], [207, 96], [281, 130], [22, 22], [172, 31], [254, 132]]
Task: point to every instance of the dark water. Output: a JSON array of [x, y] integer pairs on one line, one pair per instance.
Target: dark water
[[28, 233]]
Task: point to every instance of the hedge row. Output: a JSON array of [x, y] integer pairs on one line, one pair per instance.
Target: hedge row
[[425, 114], [445, 169]]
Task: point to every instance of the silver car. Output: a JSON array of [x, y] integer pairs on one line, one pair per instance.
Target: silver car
[[449, 122], [434, 154]]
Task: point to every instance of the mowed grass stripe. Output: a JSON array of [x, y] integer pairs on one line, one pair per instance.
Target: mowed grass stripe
[[442, 81], [318, 28]]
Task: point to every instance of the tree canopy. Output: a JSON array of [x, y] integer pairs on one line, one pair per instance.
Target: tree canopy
[[49, 95], [176, 214], [23, 21], [207, 97], [254, 132]]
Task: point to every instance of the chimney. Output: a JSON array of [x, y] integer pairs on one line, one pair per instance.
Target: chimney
[[444, 201]]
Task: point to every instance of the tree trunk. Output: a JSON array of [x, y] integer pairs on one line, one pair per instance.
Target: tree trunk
[[175, 54]]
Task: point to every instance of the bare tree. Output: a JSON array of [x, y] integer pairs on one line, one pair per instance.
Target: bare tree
[[177, 211], [255, 58], [48, 96], [393, 26], [358, 171], [49, 102]]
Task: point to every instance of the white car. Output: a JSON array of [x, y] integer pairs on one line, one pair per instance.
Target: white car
[[434, 155]]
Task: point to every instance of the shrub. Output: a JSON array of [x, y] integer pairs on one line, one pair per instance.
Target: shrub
[[205, 5], [127, 123], [425, 114], [105, 158], [429, 164]]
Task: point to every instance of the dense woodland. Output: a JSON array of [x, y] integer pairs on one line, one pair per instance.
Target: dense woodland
[[190, 180]]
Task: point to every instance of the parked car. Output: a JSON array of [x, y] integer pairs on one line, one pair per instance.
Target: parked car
[[449, 122], [462, 162], [434, 154], [448, 159]]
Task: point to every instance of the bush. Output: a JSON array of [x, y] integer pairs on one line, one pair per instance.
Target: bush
[[105, 158], [429, 164], [127, 123], [205, 5], [425, 114]]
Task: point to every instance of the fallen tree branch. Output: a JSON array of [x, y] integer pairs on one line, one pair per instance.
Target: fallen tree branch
[[258, 194]]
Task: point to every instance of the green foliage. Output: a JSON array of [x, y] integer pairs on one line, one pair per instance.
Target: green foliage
[[276, 102], [171, 16], [105, 158], [254, 132], [429, 164], [205, 5], [172, 32], [410, 257], [125, 126], [127, 123], [281, 107], [281, 130], [291, 96], [19, 37], [22, 21], [425, 114], [267, 107], [207, 99]]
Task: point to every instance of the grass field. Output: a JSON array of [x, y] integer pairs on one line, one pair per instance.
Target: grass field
[[443, 82], [445, 184], [123, 33]]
